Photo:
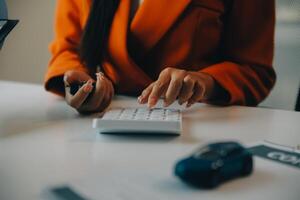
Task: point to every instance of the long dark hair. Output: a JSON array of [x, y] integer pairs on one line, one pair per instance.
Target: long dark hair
[[93, 44]]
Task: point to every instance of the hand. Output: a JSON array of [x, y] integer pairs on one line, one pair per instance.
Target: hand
[[98, 101], [172, 84]]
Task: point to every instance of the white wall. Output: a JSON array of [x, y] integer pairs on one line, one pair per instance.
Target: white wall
[[287, 56], [25, 54]]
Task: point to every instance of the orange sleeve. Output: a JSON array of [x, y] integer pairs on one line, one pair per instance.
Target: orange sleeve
[[63, 49], [245, 75]]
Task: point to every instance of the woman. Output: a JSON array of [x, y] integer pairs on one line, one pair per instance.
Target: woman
[[213, 51]]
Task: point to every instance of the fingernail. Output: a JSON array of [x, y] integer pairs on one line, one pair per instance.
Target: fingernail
[[151, 103], [99, 74], [66, 81], [88, 88], [189, 105], [139, 99], [142, 100], [165, 104]]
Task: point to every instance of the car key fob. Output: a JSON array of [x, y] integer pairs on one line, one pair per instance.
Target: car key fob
[[74, 87], [215, 163]]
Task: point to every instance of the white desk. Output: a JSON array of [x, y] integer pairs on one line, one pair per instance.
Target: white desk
[[44, 143]]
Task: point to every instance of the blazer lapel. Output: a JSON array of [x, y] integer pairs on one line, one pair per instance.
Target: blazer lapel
[[118, 52], [154, 18]]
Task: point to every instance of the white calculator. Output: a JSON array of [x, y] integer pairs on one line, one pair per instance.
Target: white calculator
[[140, 120]]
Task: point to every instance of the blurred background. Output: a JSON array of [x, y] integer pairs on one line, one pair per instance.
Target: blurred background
[[25, 54]]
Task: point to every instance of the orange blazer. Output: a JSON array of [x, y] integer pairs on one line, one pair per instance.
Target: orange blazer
[[231, 40]]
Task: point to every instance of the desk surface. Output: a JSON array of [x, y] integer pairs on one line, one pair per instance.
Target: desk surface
[[44, 143]]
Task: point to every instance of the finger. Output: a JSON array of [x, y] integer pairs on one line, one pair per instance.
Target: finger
[[106, 102], [66, 81], [109, 93], [186, 90], [158, 89], [77, 100], [174, 88], [197, 96], [143, 98], [111, 89], [98, 95], [106, 97]]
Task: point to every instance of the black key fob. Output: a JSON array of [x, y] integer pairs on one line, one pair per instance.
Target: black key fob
[[76, 86]]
